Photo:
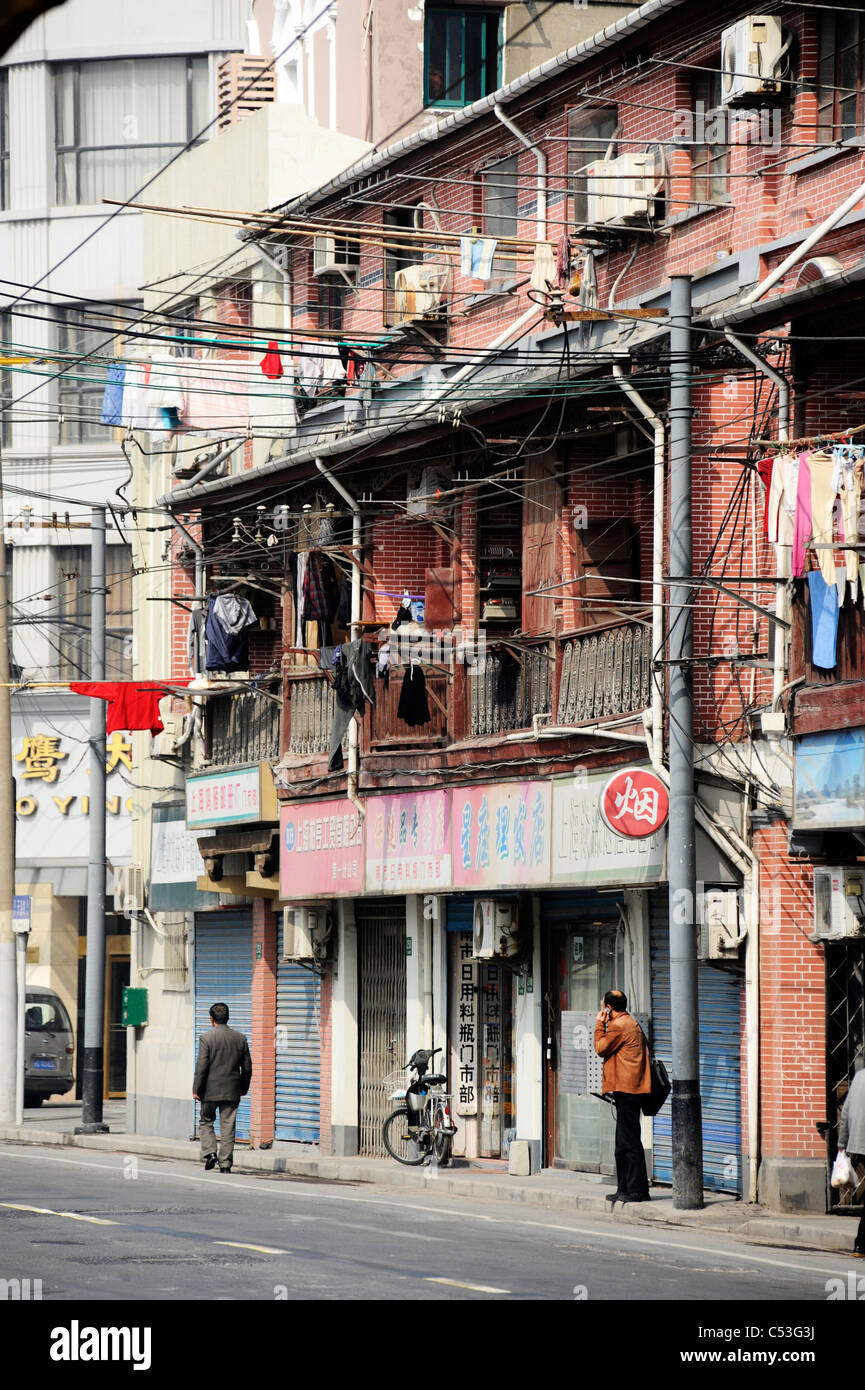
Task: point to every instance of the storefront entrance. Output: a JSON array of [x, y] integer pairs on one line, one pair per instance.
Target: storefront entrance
[[223, 974], [381, 998], [845, 1043], [584, 957]]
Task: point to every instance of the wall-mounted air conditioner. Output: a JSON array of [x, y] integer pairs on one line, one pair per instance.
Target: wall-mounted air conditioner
[[164, 743], [838, 903], [419, 292], [128, 889], [751, 51], [721, 932], [300, 928], [494, 928], [333, 256], [622, 188]]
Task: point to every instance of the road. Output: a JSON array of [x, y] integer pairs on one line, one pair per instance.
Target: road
[[108, 1226]]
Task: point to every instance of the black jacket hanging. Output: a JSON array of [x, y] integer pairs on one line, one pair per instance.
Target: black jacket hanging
[[413, 708]]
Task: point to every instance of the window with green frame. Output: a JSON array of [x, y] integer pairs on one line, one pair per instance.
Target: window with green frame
[[462, 59]]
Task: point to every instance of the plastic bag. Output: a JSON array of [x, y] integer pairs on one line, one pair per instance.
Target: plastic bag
[[842, 1171]]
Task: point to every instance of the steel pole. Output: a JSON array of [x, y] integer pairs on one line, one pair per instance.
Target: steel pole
[[94, 988], [686, 1105], [8, 989]]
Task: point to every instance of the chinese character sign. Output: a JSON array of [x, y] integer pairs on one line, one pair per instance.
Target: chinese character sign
[[586, 850], [468, 1041], [321, 849], [634, 803], [502, 835], [408, 843]]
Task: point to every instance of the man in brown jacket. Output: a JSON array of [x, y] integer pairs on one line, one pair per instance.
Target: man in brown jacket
[[627, 1076], [223, 1072]]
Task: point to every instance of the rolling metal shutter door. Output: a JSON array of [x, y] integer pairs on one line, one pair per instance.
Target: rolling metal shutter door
[[223, 973], [719, 1062], [298, 1050], [581, 906]]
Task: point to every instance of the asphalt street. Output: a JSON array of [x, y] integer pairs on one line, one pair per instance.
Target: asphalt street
[[118, 1227]]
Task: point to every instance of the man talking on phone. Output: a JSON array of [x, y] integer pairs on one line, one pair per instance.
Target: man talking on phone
[[620, 1041]]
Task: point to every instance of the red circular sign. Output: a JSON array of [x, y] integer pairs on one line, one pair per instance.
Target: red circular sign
[[634, 803]]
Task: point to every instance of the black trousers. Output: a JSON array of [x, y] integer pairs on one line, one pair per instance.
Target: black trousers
[[633, 1180]]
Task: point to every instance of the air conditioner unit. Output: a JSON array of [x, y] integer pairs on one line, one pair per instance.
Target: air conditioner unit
[[838, 904], [494, 928], [719, 919], [164, 743], [128, 889], [622, 188], [300, 927], [419, 292], [751, 50], [333, 256]]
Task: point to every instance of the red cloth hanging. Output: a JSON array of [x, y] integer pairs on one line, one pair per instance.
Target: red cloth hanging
[[271, 362], [131, 704]]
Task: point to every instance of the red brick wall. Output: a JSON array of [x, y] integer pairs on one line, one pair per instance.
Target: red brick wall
[[263, 1096]]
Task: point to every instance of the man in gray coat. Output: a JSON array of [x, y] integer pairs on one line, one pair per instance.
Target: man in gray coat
[[851, 1136], [223, 1072]]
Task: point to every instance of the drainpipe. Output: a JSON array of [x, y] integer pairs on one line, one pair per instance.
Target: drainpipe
[[781, 605], [542, 169], [216, 461], [802, 250], [657, 748], [355, 625]]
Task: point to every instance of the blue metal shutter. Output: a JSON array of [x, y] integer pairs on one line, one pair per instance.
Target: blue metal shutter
[[720, 1050], [298, 1049], [460, 913], [581, 906], [223, 973]]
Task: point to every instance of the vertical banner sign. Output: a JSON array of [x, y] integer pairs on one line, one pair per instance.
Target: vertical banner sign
[[491, 1054], [467, 1048]]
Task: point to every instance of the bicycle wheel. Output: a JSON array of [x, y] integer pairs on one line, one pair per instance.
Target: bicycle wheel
[[442, 1142], [408, 1151]]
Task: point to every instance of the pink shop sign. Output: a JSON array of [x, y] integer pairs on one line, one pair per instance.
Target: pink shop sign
[[502, 835], [408, 843], [320, 850]]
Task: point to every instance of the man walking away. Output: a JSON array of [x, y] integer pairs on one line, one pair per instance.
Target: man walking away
[[223, 1072], [851, 1136], [627, 1077]]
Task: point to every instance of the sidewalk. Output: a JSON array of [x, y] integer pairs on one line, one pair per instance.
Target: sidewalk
[[481, 1180]]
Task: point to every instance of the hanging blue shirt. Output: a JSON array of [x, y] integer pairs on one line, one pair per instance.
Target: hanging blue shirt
[[824, 620], [112, 401]]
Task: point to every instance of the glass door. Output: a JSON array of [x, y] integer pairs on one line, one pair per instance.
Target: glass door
[[115, 1056]]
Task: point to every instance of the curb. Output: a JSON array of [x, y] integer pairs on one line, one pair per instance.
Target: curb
[[729, 1218]]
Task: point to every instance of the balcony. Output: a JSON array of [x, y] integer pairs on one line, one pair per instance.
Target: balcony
[[244, 728], [384, 728], [310, 701], [509, 688], [604, 671]]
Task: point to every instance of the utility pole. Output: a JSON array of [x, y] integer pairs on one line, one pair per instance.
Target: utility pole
[[687, 1124], [94, 978], [8, 990]]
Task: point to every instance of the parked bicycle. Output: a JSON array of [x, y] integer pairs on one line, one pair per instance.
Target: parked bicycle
[[421, 1128]]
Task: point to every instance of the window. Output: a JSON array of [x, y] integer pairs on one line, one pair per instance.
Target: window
[[118, 121], [500, 206], [709, 152], [45, 1016], [82, 386], [461, 55], [332, 294], [590, 137], [4, 139], [839, 77], [7, 379], [185, 329], [75, 610], [397, 256]]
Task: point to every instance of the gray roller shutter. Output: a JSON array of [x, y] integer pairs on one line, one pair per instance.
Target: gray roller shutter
[[719, 993], [223, 974], [298, 1050]]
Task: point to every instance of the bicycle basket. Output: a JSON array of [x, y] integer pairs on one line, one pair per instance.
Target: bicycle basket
[[416, 1100]]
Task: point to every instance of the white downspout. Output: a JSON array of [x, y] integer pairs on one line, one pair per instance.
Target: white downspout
[[802, 250], [542, 169], [657, 706], [355, 626]]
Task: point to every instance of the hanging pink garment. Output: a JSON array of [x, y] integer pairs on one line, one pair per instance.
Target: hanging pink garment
[[802, 519]]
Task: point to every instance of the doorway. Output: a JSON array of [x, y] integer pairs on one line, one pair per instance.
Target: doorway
[[381, 998], [115, 1031]]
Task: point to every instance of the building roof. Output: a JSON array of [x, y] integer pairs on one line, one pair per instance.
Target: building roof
[[629, 24]]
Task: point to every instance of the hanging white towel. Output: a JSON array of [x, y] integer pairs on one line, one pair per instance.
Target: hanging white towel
[[476, 256]]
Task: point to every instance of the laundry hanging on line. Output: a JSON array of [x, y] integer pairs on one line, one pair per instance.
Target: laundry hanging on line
[[476, 256], [132, 705], [229, 618]]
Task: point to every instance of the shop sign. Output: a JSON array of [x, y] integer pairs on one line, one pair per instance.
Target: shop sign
[[174, 853], [502, 835], [586, 851], [829, 781], [321, 849], [232, 796], [408, 843], [466, 1098], [51, 766], [634, 803]]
